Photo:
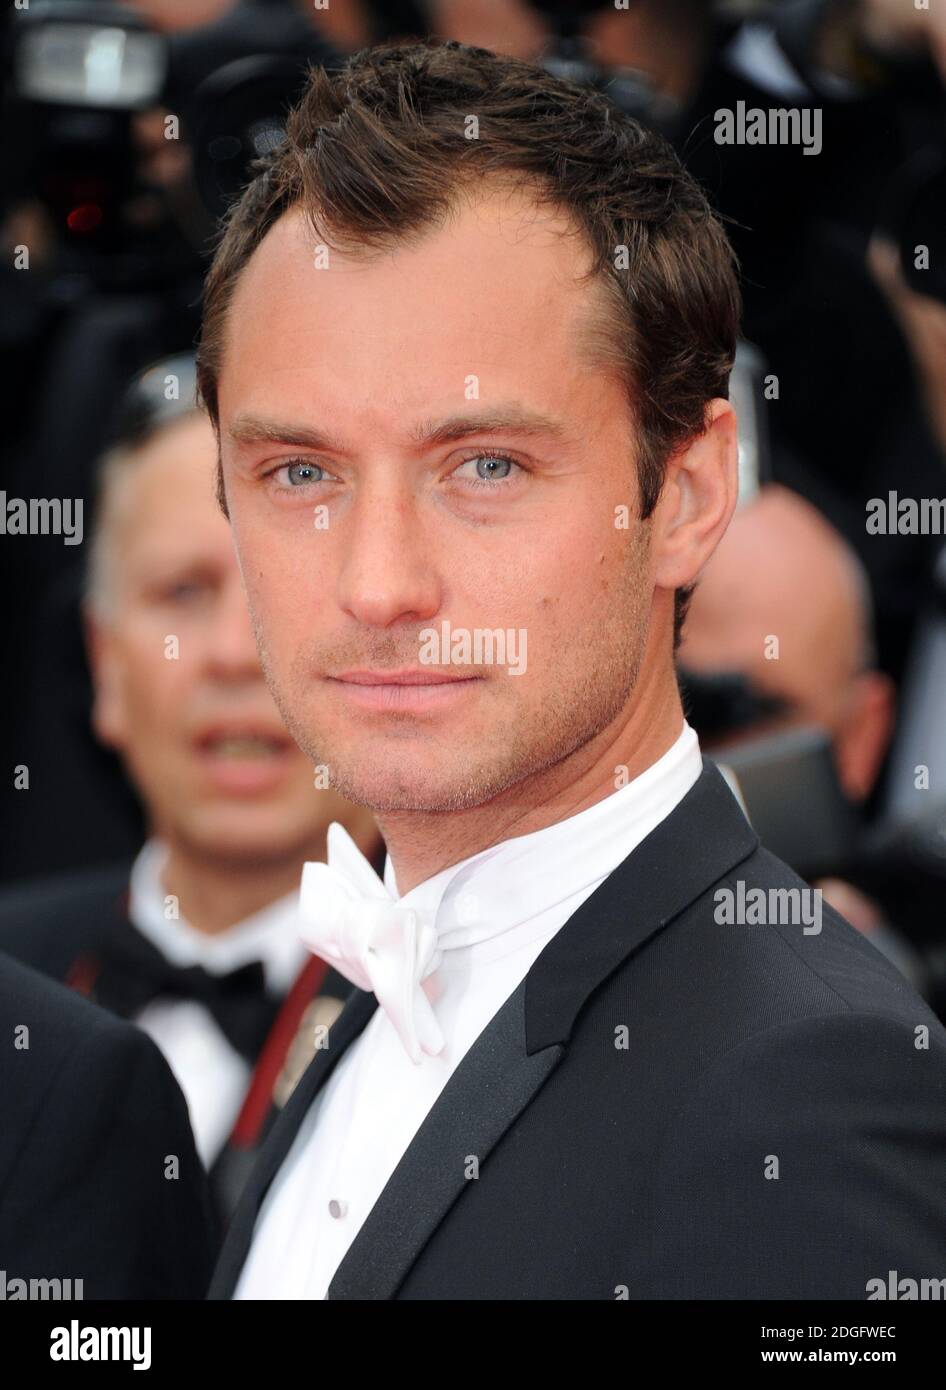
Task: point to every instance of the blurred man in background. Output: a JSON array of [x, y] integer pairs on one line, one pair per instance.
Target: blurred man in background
[[798, 636], [807, 590], [198, 942]]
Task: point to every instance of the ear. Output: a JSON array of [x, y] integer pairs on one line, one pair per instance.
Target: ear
[[108, 704], [864, 733], [697, 500]]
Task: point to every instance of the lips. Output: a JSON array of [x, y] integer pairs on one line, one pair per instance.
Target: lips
[[243, 759], [408, 691], [405, 676]]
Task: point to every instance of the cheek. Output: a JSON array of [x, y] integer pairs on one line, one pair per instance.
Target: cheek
[[284, 603], [158, 673], [284, 569], [567, 581]]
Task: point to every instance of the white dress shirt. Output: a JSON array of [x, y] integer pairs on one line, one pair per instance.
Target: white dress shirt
[[364, 1118], [209, 1070]]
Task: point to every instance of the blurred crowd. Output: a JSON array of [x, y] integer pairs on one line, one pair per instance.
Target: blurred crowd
[[814, 655]]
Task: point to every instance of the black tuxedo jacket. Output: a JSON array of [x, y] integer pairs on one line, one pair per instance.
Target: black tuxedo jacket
[[89, 1116], [665, 1107]]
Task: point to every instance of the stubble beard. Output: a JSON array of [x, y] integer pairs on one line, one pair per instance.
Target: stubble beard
[[596, 686]]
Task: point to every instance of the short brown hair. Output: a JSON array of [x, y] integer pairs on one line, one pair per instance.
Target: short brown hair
[[377, 152]]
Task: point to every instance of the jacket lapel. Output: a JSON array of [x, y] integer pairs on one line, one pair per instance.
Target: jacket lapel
[[703, 839], [493, 1084]]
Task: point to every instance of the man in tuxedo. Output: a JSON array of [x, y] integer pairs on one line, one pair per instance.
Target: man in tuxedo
[[198, 940], [102, 1194], [466, 343]]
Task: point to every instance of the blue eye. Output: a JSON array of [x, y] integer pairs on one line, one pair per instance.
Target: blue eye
[[296, 474], [490, 468], [303, 472]]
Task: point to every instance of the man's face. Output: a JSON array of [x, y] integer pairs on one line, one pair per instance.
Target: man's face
[[360, 529], [179, 690]]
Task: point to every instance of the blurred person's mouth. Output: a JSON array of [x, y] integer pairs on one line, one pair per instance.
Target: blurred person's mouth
[[244, 758], [413, 690]]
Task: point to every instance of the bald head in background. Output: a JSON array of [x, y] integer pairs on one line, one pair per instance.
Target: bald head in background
[[782, 570]]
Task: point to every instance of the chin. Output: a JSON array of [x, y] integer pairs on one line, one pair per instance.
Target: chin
[[235, 837], [419, 785]]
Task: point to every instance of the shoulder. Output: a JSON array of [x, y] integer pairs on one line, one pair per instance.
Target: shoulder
[[96, 1137], [70, 1068], [51, 1034], [774, 948], [758, 976], [798, 1024], [47, 922], [804, 1108]]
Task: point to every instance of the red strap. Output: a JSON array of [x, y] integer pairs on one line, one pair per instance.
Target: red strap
[[82, 974], [85, 969], [260, 1094]]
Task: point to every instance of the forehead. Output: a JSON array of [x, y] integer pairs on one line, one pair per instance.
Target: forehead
[[493, 293], [163, 501]]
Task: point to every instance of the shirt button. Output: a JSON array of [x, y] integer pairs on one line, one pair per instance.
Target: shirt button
[[337, 1208]]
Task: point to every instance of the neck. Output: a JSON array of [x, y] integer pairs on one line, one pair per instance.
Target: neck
[[215, 894], [421, 844]]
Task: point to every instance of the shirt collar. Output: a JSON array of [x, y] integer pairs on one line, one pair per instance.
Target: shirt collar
[[270, 935], [513, 882]]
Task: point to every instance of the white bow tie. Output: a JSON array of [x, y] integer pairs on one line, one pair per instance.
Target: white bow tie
[[349, 918]]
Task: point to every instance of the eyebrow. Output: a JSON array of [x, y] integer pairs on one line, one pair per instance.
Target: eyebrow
[[510, 419]]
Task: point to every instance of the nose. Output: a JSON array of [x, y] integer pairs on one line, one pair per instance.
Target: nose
[[231, 650], [388, 572]]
